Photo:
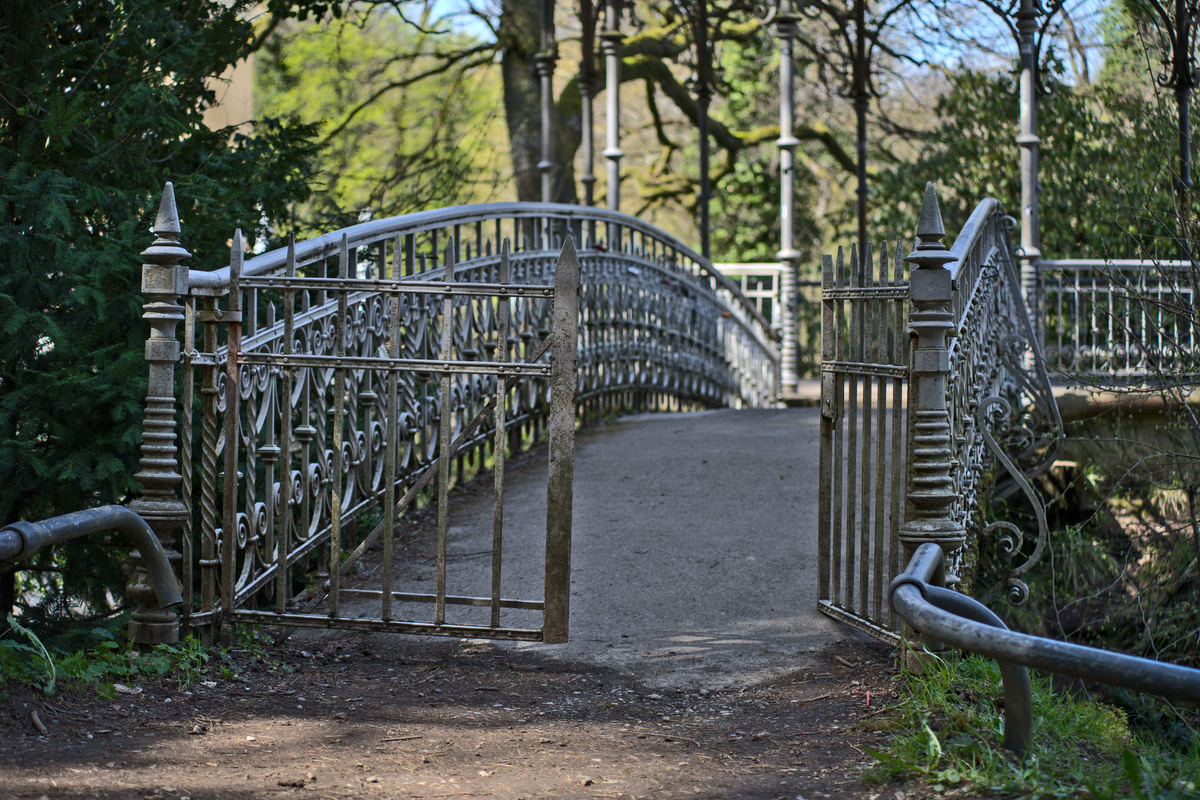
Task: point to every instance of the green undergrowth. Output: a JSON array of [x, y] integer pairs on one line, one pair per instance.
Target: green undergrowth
[[948, 730], [103, 657]]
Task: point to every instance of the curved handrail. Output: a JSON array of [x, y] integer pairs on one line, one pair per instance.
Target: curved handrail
[[965, 623], [988, 363], [972, 231], [367, 233], [20, 540]]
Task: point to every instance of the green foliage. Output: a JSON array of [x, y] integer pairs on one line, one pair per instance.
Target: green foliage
[[105, 658], [101, 102], [950, 733], [1104, 168], [408, 117], [746, 197], [36, 648]]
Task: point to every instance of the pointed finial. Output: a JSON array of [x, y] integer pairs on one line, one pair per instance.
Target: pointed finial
[[567, 254], [168, 213], [166, 249], [929, 226], [929, 251]]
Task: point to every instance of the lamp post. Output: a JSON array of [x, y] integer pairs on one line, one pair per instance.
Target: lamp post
[[1027, 140], [703, 98], [862, 97], [545, 68], [587, 88], [783, 17], [1179, 26], [611, 41]]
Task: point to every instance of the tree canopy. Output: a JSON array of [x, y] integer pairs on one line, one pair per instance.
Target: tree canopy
[[101, 103]]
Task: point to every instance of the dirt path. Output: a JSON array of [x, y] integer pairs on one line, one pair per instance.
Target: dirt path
[[372, 716]]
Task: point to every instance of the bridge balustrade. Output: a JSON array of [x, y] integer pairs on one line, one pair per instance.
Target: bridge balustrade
[[1114, 322]]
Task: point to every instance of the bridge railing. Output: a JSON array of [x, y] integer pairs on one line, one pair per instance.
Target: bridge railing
[[762, 284], [1118, 321], [658, 328]]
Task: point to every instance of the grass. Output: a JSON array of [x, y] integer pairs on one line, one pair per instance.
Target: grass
[[948, 733]]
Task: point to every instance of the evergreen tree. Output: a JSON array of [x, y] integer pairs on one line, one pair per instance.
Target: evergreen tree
[[101, 102]]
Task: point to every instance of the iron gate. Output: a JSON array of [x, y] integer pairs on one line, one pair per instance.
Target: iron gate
[[864, 389], [390, 368]]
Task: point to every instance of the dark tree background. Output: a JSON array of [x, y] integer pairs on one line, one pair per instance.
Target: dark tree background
[[101, 102]]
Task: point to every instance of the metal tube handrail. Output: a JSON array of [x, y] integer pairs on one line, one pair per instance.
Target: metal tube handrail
[[1118, 263], [933, 612], [20, 540], [975, 227]]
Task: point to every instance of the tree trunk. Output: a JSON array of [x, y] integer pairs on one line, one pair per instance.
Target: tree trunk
[[520, 38]]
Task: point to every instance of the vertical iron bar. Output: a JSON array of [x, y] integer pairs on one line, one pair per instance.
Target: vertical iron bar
[[391, 427], [502, 308], [898, 355], [854, 354], [208, 466], [284, 537], [339, 416], [866, 323], [560, 482], [839, 460], [185, 456], [229, 538], [879, 497], [829, 405], [444, 429]]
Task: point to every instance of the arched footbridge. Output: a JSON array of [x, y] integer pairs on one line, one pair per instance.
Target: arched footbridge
[[304, 401]]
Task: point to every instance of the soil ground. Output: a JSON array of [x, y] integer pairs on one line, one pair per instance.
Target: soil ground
[[378, 716]]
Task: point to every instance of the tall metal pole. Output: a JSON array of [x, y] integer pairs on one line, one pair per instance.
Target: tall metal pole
[[611, 44], [545, 67], [785, 29], [1028, 141], [703, 97], [587, 87], [861, 99], [1183, 79]]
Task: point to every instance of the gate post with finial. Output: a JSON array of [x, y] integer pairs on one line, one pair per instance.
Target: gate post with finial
[[164, 280], [929, 484]]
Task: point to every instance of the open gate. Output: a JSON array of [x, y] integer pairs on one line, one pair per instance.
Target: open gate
[[864, 391], [389, 367]]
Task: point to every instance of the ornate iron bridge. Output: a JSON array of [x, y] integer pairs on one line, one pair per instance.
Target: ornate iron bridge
[[346, 374], [930, 381]]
